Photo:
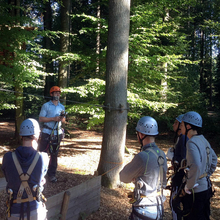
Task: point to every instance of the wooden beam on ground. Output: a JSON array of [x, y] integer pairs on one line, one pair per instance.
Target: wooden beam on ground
[[84, 199], [65, 204], [3, 184]]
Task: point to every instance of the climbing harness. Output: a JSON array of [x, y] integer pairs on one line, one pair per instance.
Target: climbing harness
[[180, 194], [177, 199], [160, 161], [139, 194], [24, 187], [54, 141]]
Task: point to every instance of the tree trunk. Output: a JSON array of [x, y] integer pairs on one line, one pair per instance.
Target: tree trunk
[[49, 65], [19, 112], [19, 101], [202, 61], [113, 143], [98, 37], [164, 68], [63, 68]]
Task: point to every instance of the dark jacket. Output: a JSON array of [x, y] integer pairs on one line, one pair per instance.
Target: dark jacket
[[25, 156]]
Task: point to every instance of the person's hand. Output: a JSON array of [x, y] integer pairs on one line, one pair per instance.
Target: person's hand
[[170, 169], [188, 191], [58, 118]]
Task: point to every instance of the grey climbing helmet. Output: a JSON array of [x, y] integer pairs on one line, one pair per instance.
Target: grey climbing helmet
[[29, 127], [147, 125], [193, 118], [179, 118]]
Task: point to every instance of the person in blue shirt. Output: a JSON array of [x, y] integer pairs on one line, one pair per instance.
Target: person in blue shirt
[[24, 170], [52, 114]]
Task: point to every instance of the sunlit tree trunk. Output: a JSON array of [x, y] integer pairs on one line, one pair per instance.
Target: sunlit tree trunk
[[98, 38], [113, 144], [164, 68]]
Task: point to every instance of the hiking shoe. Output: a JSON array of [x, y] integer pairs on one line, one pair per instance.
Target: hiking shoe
[[53, 179]]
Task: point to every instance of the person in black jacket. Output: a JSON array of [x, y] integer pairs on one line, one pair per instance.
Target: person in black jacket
[[177, 154]]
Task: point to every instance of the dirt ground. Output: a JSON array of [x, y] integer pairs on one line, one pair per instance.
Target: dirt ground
[[78, 160]]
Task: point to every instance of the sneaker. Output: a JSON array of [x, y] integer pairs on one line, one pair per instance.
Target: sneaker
[[53, 179]]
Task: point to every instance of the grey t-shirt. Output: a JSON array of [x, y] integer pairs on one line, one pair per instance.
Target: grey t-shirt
[[145, 167], [198, 162]]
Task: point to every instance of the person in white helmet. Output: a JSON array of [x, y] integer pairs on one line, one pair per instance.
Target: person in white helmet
[[201, 163], [24, 170], [147, 171], [177, 155]]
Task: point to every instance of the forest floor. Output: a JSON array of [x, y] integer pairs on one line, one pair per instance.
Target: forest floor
[[78, 160]]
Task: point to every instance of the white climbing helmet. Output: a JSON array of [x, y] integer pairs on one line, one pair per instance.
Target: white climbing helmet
[[193, 118], [147, 125], [179, 118], [29, 127]]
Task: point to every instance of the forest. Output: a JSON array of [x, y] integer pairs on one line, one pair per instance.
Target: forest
[[173, 59]]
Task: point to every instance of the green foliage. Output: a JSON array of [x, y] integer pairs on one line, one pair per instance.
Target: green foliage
[[90, 104], [164, 46]]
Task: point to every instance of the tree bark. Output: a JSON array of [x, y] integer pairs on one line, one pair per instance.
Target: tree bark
[[64, 40], [49, 81], [19, 112], [113, 143], [98, 37], [19, 101]]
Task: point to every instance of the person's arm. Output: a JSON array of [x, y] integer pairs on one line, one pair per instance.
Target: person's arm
[[193, 162], [132, 170], [45, 164], [56, 118], [164, 172], [213, 162]]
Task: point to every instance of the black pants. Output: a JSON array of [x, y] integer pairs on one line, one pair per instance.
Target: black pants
[[44, 147], [200, 208]]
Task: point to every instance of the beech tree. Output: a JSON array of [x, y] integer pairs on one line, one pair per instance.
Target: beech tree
[[113, 144], [64, 44]]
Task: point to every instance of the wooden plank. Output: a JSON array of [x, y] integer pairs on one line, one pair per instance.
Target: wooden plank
[[55, 200], [84, 198], [3, 184], [65, 205], [86, 203]]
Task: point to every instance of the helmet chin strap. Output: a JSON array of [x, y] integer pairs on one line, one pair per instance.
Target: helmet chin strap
[[187, 130], [55, 98], [176, 133], [141, 140]]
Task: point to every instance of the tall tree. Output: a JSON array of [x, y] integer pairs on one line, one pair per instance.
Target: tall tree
[[48, 45], [19, 102], [113, 143], [64, 43]]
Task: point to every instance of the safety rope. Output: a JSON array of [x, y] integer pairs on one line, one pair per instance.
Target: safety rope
[[118, 164], [107, 107]]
